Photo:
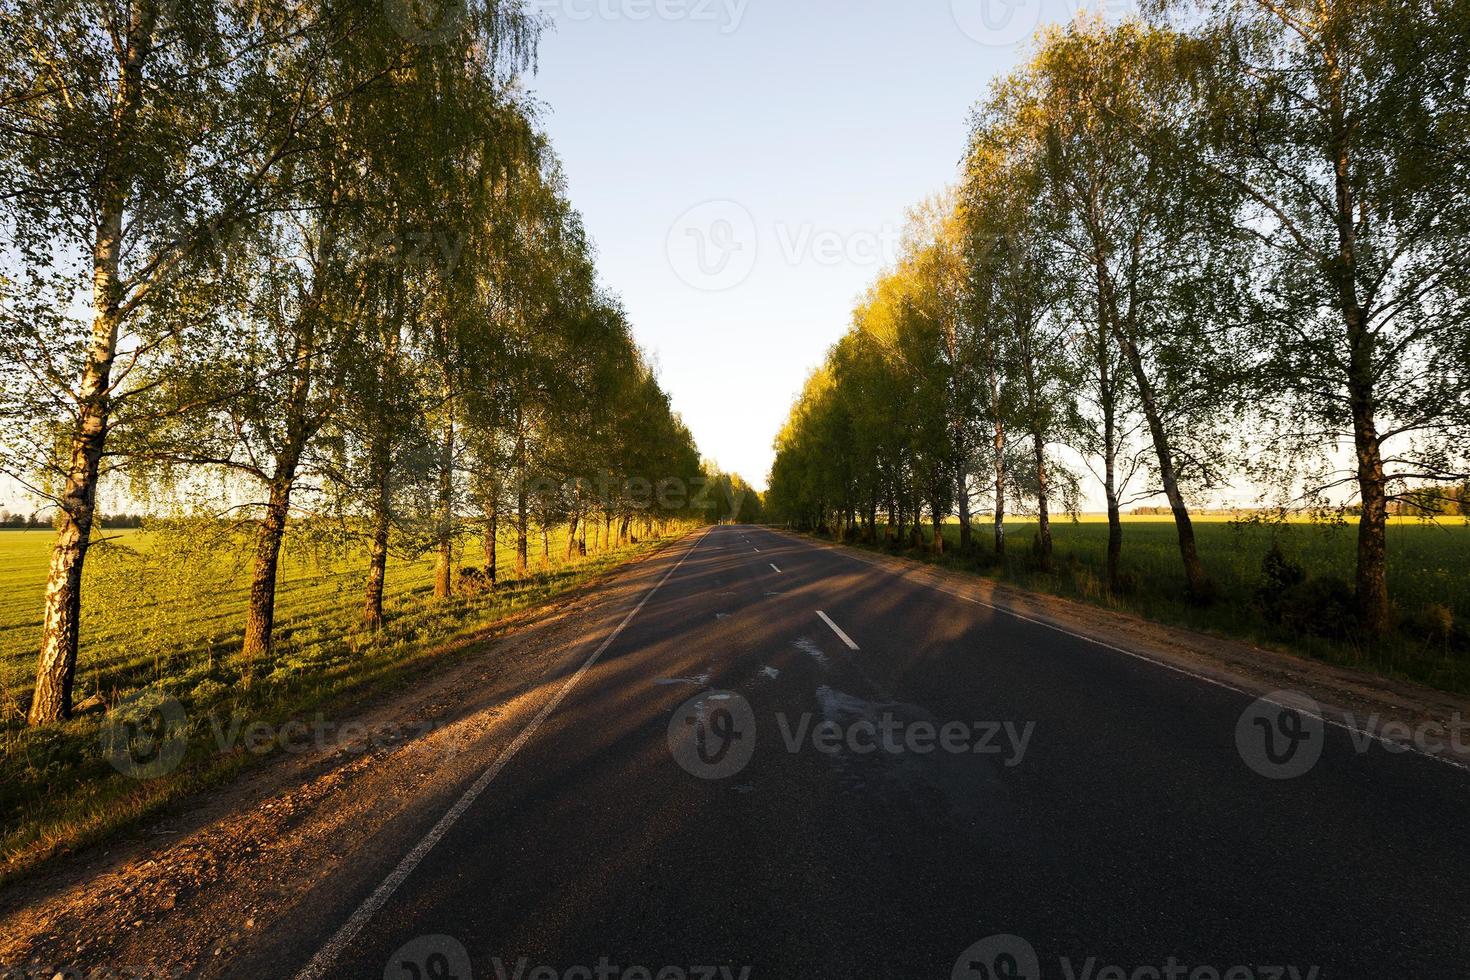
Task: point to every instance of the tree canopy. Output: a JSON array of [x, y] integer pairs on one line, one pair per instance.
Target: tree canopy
[[295, 262], [1220, 242]]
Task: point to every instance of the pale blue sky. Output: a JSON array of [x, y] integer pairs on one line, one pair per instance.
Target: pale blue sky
[[812, 125]]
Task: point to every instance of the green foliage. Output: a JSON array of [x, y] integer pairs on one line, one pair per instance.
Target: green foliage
[[727, 498], [1320, 606], [326, 277], [1227, 250]]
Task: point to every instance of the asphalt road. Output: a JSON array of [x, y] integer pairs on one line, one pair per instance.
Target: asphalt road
[[987, 789]]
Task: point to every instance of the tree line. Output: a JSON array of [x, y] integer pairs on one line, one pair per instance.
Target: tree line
[[1223, 242], [33, 521], [308, 258]]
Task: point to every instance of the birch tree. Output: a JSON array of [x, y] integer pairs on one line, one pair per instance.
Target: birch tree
[[1109, 115], [135, 137], [1342, 124]]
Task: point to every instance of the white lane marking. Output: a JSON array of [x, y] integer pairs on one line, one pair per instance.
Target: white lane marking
[[838, 630], [1336, 723], [757, 550], [778, 571], [323, 961]]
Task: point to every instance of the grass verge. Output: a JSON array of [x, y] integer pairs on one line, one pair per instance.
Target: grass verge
[[1303, 608]]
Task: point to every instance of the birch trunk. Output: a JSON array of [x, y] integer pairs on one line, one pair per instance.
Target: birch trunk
[[61, 629], [1200, 587], [260, 617], [372, 611], [61, 621], [492, 544], [523, 548], [1000, 491], [1043, 505], [1107, 397], [444, 563]]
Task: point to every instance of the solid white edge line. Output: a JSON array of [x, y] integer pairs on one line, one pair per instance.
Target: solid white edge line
[[838, 630], [1395, 747], [327, 956]]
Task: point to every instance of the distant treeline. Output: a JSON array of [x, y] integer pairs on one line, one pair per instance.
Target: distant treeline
[[1434, 502], [34, 521]]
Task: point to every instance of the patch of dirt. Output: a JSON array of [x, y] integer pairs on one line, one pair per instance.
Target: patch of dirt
[[1346, 695], [201, 891]]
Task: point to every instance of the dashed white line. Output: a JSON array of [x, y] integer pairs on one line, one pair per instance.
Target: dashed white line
[[838, 630], [778, 571], [323, 961]]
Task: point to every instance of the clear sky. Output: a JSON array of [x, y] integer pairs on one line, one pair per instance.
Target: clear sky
[[744, 167]]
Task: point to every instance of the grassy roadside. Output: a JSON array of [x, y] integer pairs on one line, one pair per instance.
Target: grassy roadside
[[183, 718], [1427, 576]]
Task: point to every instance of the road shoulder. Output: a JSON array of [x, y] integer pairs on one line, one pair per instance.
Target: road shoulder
[[1353, 698]]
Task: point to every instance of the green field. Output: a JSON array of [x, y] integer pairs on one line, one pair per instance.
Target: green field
[[1428, 573], [164, 617], [157, 604]]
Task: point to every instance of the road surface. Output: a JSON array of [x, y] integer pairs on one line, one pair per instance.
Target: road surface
[[922, 786]]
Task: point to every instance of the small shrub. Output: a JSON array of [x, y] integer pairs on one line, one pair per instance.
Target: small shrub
[[1434, 622], [1320, 606], [1287, 597], [473, 582], [1127, 582], [1204, 594], [1279, 576]]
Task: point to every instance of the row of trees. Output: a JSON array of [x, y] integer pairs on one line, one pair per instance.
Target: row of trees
[[34, 521], [1226, 243], [1433, 501], [255, 255]]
